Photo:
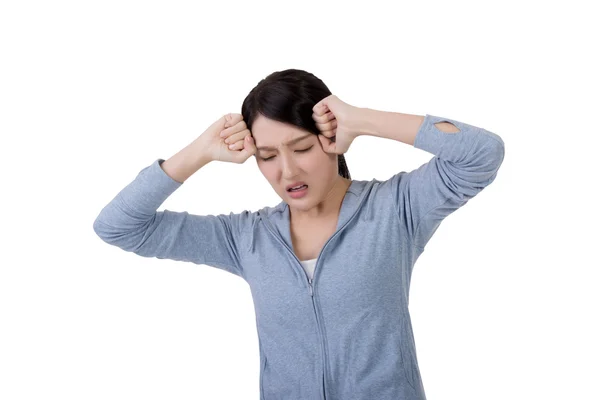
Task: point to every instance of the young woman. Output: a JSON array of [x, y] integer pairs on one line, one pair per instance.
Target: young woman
[[329, 267]]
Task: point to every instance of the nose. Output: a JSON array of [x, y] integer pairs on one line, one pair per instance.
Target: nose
[[289, 167]]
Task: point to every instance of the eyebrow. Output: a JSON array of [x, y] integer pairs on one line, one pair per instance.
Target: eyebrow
[[288, 143]]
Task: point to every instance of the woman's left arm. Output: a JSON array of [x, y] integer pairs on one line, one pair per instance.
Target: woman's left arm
[[466, 160], [395, 125]]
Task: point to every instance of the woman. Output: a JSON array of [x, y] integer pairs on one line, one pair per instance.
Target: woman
[[329, 267]]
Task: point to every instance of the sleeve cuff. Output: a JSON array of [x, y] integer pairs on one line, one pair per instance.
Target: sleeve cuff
[[151, 188]]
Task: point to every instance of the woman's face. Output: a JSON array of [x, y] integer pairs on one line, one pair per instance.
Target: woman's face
[[286, 163]]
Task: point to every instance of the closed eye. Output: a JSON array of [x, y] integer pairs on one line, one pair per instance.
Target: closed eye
[[299, 151]]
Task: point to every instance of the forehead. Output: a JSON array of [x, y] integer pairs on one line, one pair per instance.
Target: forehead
[[271, 133]]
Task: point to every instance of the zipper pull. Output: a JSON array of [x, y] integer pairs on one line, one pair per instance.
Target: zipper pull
[[310, 286]]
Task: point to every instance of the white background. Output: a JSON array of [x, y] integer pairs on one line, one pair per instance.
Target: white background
[[504, 301]]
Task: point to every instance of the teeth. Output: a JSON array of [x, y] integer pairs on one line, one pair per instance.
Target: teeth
[[297, 187]]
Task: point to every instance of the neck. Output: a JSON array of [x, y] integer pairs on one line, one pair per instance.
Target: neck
[[329, 206]]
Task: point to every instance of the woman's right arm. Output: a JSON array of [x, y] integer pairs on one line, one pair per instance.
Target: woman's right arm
[[187, 161], [211, 146], [131, 221]]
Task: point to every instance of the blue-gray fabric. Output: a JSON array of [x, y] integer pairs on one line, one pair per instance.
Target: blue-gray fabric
[[346, 334]]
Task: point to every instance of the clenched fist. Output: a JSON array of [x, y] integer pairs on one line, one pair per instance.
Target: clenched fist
[[229, 130]]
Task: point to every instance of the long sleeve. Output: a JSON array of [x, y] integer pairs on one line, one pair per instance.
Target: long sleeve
[[130, 221], [464, 163]]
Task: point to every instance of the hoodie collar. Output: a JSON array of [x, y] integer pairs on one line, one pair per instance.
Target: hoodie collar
[[278, 217]]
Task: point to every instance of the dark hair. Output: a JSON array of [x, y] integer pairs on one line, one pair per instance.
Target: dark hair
[[289, 96]]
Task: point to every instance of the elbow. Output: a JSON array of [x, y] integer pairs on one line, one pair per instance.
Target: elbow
[[494, 148], [498, 151], [128, 240], [100, 229]]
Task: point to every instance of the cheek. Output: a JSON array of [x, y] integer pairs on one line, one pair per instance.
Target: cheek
[[269, 171], [319, 160], [313, 164]]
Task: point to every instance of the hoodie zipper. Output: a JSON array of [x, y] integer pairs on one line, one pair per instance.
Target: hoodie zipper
[[311, 292], [310, 281], [323, 349]]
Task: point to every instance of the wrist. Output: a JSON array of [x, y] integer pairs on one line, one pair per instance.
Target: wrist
[[364, 122], [196, 155], [203, 151]]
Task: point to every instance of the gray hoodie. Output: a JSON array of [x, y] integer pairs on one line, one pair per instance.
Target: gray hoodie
[[346, 333]]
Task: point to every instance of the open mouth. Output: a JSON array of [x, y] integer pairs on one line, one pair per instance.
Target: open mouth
[[297, 189]]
